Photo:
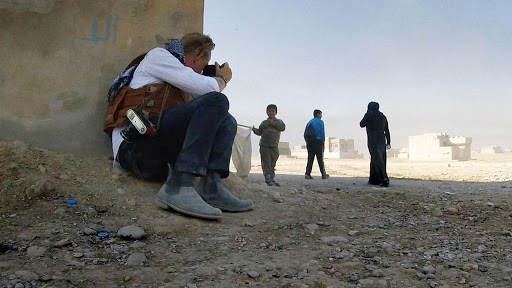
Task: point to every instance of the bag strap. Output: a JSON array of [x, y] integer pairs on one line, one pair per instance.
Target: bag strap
[[146, 101], [164, 102], [167, 88]]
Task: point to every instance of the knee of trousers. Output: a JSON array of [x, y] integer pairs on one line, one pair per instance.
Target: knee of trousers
[[218, 99], [229, 123]]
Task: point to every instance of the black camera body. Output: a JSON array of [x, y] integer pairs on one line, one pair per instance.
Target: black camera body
[[209, 70], [130, 133]]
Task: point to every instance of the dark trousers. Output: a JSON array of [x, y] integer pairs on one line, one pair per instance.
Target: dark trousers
[[269, 156], [195, 137], [378, 173], [315, 149]]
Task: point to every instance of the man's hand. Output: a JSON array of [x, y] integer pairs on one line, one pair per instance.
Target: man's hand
[[388, 146], [225, 71]]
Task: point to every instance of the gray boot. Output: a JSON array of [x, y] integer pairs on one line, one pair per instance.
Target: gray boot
[[184, 199], [214, 193], [268, 180]]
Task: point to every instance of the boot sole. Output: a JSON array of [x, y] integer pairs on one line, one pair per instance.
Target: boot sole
[[230, 209], [167, 206]]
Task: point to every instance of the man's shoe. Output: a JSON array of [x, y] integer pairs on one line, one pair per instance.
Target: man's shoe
[[186, 201], [325, 176], [275, 183], [214, 193], [308, 177], [271, 183]]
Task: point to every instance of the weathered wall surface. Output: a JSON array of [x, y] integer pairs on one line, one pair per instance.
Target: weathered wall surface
[[58, 59]]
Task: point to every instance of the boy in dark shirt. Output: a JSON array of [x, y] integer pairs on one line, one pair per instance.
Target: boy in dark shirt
[[270, 132]]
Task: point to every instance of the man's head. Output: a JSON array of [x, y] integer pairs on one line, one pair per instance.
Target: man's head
[[271, 110], [317, 114], [198, 50], [373, 106]]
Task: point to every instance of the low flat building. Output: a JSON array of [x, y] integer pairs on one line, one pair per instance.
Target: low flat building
[[439, 146], [334, 148]]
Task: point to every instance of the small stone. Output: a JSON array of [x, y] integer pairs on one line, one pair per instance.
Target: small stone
[[421, 276], [431, 253], [366, 282], [45, 278], [311, 228], [26, 276], [62, 243], [41, 188], [89, 231], [378, 273], [136, 259], [353, 278], [452, 210], [131, 232], [248, 223], [191, 285], [429, 269], [432, 284], [370, 253], [35, 251], [483, 268], [330, 240], [354, 233], [78, 255], [138, 244], [253, 274], [101, 209]]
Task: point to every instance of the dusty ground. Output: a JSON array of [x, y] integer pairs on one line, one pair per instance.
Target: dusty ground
[[439, 224]]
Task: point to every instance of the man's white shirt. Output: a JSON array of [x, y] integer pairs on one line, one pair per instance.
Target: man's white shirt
[[160, 66]]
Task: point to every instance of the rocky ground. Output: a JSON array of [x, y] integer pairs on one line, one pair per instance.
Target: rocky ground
[[439, 224]]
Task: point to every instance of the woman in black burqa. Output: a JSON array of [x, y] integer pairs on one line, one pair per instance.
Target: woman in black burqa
[[379, 140]]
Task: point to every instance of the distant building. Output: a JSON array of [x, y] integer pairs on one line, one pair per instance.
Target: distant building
[[334, 148], [403, 153], [439, 146], [284, 149], [492, 149]]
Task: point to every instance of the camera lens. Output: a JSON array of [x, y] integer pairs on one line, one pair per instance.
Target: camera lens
[[129, 133]]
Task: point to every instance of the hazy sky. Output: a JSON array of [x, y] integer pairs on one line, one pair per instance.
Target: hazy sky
[[434, 66]]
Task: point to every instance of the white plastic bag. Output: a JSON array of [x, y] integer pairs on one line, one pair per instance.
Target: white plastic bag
[[242, 151]]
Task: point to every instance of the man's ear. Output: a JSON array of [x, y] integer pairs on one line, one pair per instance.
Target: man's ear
[[198, 58]]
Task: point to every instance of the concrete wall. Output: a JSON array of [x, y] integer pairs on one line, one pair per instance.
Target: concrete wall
[[58, 59]]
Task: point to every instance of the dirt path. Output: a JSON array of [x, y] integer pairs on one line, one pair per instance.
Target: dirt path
[[338, 232]]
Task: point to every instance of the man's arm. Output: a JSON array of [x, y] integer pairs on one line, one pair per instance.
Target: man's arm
[[321, 133], [222, 75], [162, 65]]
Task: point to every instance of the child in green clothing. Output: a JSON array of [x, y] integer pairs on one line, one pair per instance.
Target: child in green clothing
[[270, 132]]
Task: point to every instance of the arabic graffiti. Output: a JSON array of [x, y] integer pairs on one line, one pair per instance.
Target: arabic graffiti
[[110, 30]]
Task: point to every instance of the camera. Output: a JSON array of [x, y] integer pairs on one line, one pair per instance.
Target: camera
[[209, 70], [138, 125]]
